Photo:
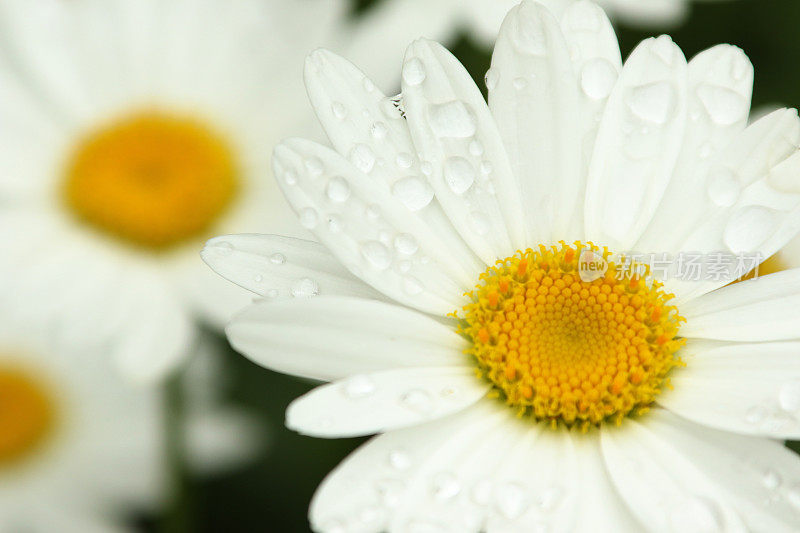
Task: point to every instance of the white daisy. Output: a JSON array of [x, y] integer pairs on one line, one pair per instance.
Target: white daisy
[[79, 451], [132, 131], [510, 393]]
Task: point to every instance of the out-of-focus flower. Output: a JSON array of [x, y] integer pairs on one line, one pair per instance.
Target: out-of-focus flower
[[79, 449], [132, 130], [605, 399]]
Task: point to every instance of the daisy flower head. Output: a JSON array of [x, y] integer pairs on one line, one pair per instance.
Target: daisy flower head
[[135, 130], [477, 298]]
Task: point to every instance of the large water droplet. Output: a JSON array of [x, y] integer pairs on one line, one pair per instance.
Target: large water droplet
[[512, 500], [309, 218], [377, 254], [405, 243], [789, 397], [723, 188], [654, 102], [459, 174], [277, 259], [305, 288], [598, 78], [413, 71], [413, 192], [338, 189], [445, 486], [696, 515], [362, 157], [723, 105], [452, 119], [358, 386], [749, 228], [491, 78], [417, 400]]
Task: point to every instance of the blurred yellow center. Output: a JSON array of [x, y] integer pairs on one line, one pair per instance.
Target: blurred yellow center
[[566, 335], [152, 179], [27, 415]]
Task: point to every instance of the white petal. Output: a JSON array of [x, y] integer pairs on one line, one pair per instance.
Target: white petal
[[282, 267], [534, 96], [434, 474], [755, 181], [720, 86], [746, 388], [760, 309], [367, 228], [637, 145], [364, 404], [333, 337], [661, 486], [752, 477], [460, 145], [364, 125]]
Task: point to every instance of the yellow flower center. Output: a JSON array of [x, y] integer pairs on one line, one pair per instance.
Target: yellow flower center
[[567, 335], [27, 415], [151, 179]]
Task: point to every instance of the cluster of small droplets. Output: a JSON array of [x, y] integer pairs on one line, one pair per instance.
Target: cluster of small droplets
[[565, 350]]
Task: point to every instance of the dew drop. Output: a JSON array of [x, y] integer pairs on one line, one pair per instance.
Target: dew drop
[[223, 248], [789, 397], [452, 119], [491, 78], [368, 85], [417, 400], [399, 460], [512, 500], [405, 243], [314, 166], [339, 110], [771, 479], [335, 224], [289, 177], [258, 278], [277, 259], [654, 102], [413, 71], [379, 130], [793, 496], [696, 515], [481, 492], [755, 414], [550, 498], [723, 188], [598, 78], [426, 168], [724, 106], [362, 157], [520, 83], [405, 160], [749, 228], [459, 174], [445, 486], [358, 386], [373, 212], [486, 167], [309, 218], [413, 192], [476, 148], [338, 189], [377, 254], [305, 288]]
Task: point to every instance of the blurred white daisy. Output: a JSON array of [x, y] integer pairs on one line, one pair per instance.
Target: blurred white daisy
[[510, 392], [133, 130], [79, 451]]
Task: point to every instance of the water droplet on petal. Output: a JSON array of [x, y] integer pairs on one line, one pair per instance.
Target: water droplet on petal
[[405, 243], [793, 496], [520, 83], [289, 177], [417, 400], [368, 85], [413, 71], [550, 498], [399, 460], [277, 259], [405, 160], [723, 188], [723, 105], [309, 218], [482, 492], [771, 479], [755, 414], [512, 500], [445, 486], [459, 174], [696, 515], [314, 166], [358, 386], [413, 192], [491, 79], [335, 224], [749, 228], [452, 119], [654, 102], [362, 157], [377, 254], [338, 189], [379, 130], [223, 248], [598, 78], [305, 288], [476, 148], [339, 111]]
